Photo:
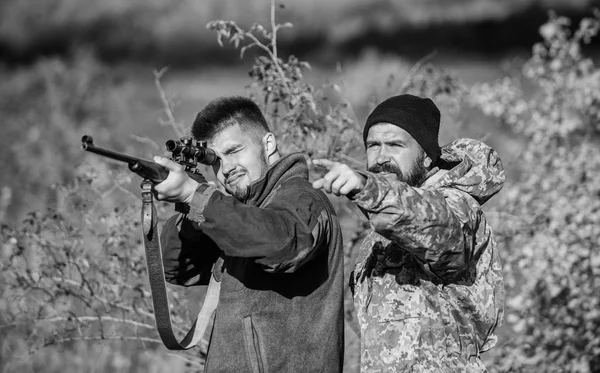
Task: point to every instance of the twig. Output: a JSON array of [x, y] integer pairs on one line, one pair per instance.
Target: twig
[[126, 191], [116, 305], [416, 68], [272, 57], [146, 140], [86, 338], [81, 319], [102, 198], [109, 339], [102, 338], [272, 53], [165, 100], [351, 160], [116, 186], [485, 137], [502, 214], [5, 200], [104, 300], [274, 28], [321, 154]]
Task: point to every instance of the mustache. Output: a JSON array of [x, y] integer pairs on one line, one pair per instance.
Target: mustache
[[232, 175], [386, 167], [414, 177]]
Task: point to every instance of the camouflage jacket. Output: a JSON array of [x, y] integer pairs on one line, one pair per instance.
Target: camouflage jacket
[[428, 284]]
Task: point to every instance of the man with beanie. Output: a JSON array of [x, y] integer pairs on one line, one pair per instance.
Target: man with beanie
[[428, 285]]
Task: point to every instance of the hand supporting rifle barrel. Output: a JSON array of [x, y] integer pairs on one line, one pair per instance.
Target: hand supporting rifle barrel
[[188, 154]]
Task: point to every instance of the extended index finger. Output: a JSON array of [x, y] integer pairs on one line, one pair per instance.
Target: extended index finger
[[325, 163]]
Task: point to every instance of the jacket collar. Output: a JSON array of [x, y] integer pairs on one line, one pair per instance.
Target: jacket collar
[[286, 167]]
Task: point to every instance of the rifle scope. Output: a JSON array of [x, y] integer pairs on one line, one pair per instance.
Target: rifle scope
[[187, 150]]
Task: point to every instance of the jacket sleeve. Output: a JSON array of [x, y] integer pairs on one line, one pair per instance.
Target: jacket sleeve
[[188, 254], [289, 231], [435, 226]]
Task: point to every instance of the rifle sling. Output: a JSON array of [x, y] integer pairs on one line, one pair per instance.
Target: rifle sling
[[158, 287]]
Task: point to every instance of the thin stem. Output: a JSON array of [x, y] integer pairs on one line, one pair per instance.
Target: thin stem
[[120, 306], [102, 338], [86, 338], [351, 160], [102, 198], [274, 28], [273, 57], [106, 301], [342, 156], [416, 68], [111, 338], [146, 141], [120, 187], [81, 319], [165, 100]]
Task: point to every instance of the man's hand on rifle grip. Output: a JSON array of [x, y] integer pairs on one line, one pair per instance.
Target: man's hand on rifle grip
[[178, 187]]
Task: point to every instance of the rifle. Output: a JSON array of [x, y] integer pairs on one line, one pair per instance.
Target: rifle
[[188, 154], [185, 152]]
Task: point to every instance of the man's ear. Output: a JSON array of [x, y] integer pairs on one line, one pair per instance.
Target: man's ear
[[269, 144], [427, 162]]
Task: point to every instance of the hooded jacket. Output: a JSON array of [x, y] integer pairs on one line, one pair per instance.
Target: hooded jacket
[[281, 300], [428, 284]]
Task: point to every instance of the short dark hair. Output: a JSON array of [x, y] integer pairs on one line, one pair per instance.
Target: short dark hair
[[225, 112]]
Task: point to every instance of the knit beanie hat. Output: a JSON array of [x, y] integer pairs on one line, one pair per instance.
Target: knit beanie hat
[[417, 116]]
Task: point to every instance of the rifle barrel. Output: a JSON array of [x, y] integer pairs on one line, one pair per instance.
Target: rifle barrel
[[146, 169], [110, 154]]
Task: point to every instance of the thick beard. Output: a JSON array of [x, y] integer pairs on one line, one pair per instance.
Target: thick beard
[[242, 193], [415, 177]]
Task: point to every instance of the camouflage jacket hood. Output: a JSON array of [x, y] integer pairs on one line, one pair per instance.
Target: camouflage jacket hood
[[428, 285], [474, 168]]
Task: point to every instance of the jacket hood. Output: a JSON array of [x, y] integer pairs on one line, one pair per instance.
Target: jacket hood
[[471, 166], [286, 167]]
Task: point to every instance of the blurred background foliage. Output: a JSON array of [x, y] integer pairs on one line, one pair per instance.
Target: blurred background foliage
[[73, 288], [169, 32]]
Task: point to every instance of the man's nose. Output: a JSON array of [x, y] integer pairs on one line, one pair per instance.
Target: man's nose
[[382, 157], [227, 167]]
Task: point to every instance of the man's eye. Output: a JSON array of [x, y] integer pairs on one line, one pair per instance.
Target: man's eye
[[371, 146], [233, 151]]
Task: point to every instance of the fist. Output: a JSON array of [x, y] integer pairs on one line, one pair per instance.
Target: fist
[[340, 180], [178, 187]]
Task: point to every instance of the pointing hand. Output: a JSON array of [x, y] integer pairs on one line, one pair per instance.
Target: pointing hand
[[340, 180]]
